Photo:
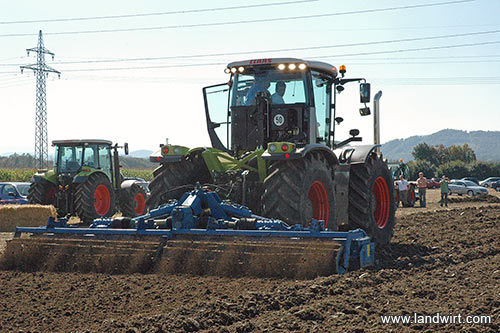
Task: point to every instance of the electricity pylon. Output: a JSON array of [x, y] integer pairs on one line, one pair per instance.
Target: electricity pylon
[[41, 71]]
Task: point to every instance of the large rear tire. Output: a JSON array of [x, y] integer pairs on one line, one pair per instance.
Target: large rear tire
[[170, 180], [94, 198], [297, 191], [133, 201], [371, 200], [42, 193]]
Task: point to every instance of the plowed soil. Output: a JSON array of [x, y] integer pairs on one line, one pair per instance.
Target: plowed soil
[[440, 260]]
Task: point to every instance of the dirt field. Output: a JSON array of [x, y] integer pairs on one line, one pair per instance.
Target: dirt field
[[440, 260]]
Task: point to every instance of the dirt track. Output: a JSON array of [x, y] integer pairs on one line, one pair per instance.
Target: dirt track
[[445, 261]]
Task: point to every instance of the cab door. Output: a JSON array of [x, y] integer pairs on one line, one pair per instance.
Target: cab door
[[216, 112]]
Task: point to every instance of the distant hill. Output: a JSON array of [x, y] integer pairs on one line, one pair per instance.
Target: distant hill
[[486, 144], [143, 153]]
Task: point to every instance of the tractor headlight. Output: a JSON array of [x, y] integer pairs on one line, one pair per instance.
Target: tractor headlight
[[272, 148], [177, 150]]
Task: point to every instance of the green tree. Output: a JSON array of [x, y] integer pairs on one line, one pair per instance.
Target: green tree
[[417, 166], [480, 170], [453, 169], [460, 153], [424, 152]]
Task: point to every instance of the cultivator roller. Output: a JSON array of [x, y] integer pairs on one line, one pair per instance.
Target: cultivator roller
[[199, 234]]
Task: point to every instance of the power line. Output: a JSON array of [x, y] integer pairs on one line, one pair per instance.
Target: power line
[[189, 11], [408, 50], [306, 48], [311, 57], [288, 18]]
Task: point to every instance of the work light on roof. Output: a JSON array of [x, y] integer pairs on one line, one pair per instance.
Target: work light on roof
[[227, 71], [302, 66], [233, 70], [241, 69], [281, 67], [292, 67]]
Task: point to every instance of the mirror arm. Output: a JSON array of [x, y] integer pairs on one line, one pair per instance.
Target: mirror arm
[[346, 141], [344, 81]]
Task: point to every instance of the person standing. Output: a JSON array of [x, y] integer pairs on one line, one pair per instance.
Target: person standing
[[422, 188], [444, 191], [403, 190]]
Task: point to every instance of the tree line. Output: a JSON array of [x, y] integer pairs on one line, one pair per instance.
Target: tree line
[[454, 161], [24, 161]]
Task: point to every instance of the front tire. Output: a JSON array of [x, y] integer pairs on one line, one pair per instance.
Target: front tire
[[170, 180], [470, 193], [42, 193], [297, 191], [133, 201], [371, 202], [94, 198]]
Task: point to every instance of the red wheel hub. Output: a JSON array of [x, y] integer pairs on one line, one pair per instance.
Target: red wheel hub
[[102, 200], [381, 191], [140, 204], [319, 198]]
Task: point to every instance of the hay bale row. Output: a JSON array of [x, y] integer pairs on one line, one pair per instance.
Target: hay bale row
[[12, 216]]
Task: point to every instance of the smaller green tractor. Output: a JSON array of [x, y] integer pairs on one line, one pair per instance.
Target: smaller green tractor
[[398, 169], [86, 182]]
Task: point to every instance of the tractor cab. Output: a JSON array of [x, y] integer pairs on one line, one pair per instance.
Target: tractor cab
[[274, 100], [75, 156]]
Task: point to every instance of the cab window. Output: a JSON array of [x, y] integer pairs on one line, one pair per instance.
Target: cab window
[[105, 160], [90, 156]]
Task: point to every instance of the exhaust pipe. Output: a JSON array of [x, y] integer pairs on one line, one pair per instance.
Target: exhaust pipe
[[376, 119]]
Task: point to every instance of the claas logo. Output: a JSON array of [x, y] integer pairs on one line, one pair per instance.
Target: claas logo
[[260, 61]]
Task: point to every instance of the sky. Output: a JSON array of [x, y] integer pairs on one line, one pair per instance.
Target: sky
[[429, 82]]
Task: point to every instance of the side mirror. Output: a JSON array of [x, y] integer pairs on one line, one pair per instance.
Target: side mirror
[[354, 132], [364, 111], [364, 92], [319, 83], [125, 147], [338, 120]]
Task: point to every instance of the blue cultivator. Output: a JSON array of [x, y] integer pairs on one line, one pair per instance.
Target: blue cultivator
[[202, 234]]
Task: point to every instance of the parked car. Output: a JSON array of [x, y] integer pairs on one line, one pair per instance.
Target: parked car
[[14, 193], [496, 185], [458, 186], [472, 179], [433, 183], [488, 181]]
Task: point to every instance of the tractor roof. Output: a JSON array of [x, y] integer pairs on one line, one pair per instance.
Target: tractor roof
[[81, 141], [317, 65]]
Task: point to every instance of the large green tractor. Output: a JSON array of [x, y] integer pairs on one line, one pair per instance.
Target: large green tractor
[[86, 182], [272, 130]]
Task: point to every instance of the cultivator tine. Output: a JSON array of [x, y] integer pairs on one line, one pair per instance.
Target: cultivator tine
[[81, 255], [250, 258]]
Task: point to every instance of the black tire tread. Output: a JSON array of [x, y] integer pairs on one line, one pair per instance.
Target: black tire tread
[[37, 193], [190, 170], [127, 200], [361, 181], [284, 197], [84, 198]]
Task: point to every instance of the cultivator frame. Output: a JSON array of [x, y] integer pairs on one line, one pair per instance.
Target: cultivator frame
[[223, 221]]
